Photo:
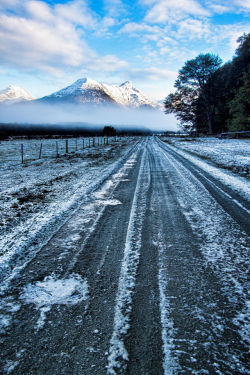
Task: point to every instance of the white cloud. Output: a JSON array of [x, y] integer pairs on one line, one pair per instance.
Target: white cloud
[[219, 8], [39, 10], [162, 11], [243, 3], [48, 38], [225, 6], [194, 29], [114, 8], [76, 12], [152, 74]]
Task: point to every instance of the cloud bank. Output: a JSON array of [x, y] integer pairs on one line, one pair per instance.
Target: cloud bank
[[39, 113]]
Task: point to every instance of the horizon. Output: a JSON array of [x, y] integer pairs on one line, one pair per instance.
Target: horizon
[[47, 45]]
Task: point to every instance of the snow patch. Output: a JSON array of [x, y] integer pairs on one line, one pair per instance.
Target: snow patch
[[52, 291]]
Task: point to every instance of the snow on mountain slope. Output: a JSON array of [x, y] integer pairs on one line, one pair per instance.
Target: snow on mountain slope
[[88, 91], [15, 94]]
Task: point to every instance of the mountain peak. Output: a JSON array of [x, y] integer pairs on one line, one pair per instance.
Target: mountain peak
[[86, 80], [127, 84], [15, 93], [88, 91]]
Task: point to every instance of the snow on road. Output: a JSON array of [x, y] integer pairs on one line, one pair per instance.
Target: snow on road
[[238, 182], [38, 197], [54, 291], [146, 272], [118, 353]]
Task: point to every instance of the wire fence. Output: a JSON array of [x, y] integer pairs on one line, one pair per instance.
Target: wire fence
[[25, 150]]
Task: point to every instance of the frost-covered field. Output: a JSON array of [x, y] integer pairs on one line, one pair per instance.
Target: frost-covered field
[[39, 194], [232, 154]]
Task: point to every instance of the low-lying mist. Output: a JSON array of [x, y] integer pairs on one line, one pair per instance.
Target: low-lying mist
[[96, 116]]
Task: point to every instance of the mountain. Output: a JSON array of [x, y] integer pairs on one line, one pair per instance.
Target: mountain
[[88, 91], [14, 94]]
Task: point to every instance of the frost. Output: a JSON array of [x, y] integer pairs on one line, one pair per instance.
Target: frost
[[53, 291], [118, 354], [36, 200], [56, 291]]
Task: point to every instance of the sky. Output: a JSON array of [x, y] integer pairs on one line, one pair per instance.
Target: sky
[[47, 45]]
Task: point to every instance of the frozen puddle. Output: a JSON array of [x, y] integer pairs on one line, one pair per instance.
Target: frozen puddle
[[53, 291]]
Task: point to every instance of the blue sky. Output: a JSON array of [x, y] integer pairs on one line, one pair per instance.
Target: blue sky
[[46, 45]]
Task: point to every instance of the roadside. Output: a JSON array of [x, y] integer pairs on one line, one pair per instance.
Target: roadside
[[229, 154]]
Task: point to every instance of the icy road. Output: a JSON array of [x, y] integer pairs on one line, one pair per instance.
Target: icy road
[[147, 276]]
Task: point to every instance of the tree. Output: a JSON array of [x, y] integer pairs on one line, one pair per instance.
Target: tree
[[184, 105], [239, 107], [191, 94], [229, 91], [109, 130]]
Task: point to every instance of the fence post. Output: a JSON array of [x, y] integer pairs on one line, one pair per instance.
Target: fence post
[[40, 152], [94, 142], [76, 144], [107, 140], [22, 152], [83, 143], [67, 146], [89, 142], [57, 149]]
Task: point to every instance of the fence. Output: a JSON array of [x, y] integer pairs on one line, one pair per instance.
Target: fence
[[24, 150]]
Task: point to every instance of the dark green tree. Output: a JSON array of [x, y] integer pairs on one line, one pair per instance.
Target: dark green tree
[[239, 106], [230, 91], [109, 131], [192, 94]]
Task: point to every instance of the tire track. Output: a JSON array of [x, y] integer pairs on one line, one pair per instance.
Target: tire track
[[118, 354], [204, 286]]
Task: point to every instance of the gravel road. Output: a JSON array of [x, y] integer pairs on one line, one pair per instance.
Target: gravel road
[[148, 277]]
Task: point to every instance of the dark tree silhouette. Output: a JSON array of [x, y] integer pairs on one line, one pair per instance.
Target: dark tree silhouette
[[109, 131], [191, 91]]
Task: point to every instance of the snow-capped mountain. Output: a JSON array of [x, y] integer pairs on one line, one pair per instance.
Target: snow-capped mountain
[[88, 91], [15, 94]]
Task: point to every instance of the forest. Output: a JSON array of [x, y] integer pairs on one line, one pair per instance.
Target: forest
[[211, 98]]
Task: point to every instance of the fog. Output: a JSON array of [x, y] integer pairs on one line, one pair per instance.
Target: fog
[[119, 117]]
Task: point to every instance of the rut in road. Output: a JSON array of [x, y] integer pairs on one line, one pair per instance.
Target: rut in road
[[164, 259]]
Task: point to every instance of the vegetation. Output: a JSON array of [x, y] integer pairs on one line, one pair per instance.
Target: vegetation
[[109, 131], [211, 98]]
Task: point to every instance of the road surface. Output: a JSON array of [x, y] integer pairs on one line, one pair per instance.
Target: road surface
[[149, 276]]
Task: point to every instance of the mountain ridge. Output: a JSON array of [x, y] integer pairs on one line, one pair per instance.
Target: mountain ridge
[[88, 91], [85, 91]]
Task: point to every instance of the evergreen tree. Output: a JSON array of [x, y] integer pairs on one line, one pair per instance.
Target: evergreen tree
[[192, 91], [239, 106]]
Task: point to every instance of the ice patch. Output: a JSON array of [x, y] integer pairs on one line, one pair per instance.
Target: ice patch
[[10, 366], [52, 291], [112, 202], [7, 308]]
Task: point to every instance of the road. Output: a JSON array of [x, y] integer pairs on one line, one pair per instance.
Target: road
[[160, 257]]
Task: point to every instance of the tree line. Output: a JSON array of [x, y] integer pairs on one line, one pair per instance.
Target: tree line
[[211, 98]]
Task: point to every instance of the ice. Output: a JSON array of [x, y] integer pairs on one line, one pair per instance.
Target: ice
[[52, 291]]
